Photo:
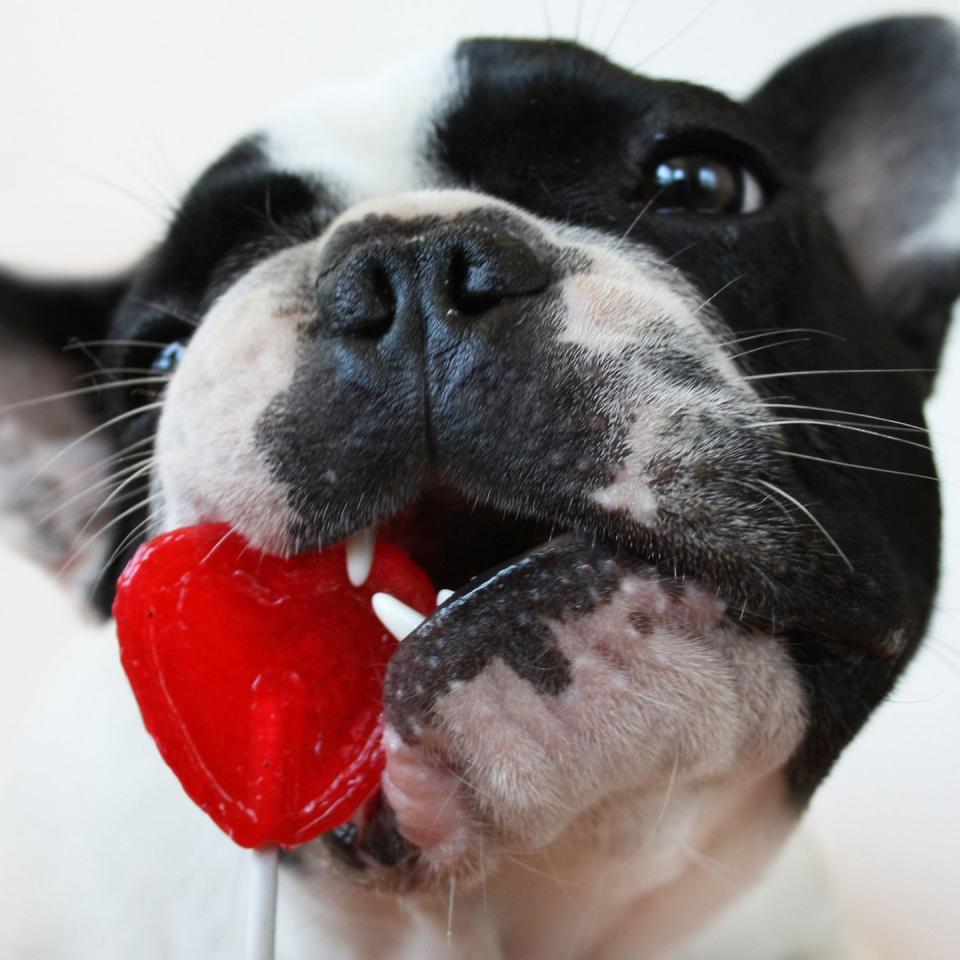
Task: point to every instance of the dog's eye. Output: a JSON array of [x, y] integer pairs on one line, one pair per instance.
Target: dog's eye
[[167, 360], [701, 183], [163, 364]]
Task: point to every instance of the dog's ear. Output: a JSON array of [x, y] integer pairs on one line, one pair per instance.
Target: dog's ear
[[50, 467], [872, 116]]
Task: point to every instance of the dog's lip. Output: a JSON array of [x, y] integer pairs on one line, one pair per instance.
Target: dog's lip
[[736, 581], [463, 542]]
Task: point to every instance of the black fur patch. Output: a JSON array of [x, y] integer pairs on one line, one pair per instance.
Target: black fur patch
[[504, 617]]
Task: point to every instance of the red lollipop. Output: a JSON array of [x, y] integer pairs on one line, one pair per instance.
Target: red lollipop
[[260, 678]]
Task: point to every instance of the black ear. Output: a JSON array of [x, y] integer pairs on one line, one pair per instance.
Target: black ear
[[872, 116], [48, 475]]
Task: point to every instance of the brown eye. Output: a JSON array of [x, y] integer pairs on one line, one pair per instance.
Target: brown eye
[[700, 183]]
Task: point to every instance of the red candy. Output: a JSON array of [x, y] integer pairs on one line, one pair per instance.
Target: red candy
[[261, 678]]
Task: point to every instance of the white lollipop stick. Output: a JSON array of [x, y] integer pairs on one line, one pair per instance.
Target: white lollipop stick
[[262, 904]]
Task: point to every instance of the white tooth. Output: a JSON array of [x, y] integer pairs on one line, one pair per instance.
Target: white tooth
[[360, 547], [395, 615], [443, 596]]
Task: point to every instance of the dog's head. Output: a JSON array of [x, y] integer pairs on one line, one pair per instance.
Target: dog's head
[[636, 370]]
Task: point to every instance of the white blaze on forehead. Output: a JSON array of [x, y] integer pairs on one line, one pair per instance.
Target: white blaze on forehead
[[367, 137], [412, 204]]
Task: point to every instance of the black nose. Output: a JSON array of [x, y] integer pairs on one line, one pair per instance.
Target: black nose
[[449, 273]]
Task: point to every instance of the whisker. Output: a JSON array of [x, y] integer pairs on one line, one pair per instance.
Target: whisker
[[80, 344], [620, 26], [683, 250], [142, 470], [453, 894], [124, 543], [945, 652], [676, 36], [639, 216], [596, 22], [721, 871], [714, 296], [666, 801], [773, 331], [853, 427], [220, 543], [145, 203], [170, 311], [106, 481], [815, 373], [483, 871], [111, 371], [769, 346], [859, 466], [846, 413], [135, 412], [79, 392], [119, 457], [765, 497], [146, 501], [783, 493], [561, 882]]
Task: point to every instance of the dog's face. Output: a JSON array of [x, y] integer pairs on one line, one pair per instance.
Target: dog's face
[[636, 370]]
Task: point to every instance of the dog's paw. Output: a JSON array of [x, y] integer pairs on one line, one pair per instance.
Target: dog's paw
[[576, 675], [429, 802]]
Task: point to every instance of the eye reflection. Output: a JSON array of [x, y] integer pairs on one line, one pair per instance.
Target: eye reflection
[[704, 184], [169, 357]]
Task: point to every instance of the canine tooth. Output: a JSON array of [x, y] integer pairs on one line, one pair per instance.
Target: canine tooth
[[360, 547], [395, 615], [443, 596]]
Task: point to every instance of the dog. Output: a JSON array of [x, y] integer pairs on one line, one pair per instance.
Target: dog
[[636, 371]]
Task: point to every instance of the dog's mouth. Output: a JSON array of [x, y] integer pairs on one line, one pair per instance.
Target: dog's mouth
[[522, 588], [458, 540]]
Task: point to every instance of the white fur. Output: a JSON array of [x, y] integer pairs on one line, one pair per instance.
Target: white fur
[[208, 466], [320, 136]]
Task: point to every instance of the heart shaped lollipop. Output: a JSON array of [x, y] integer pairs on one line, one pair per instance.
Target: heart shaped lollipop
[[260, 678]]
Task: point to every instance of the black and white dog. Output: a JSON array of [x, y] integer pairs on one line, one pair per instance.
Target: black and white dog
[[637, 371]]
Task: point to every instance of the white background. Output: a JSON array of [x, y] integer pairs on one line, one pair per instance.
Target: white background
[[110, 107]]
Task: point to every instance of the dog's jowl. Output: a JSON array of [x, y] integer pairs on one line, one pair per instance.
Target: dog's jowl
[[638, 372]]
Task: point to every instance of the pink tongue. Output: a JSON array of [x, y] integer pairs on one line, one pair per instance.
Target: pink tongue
[[261, 678]]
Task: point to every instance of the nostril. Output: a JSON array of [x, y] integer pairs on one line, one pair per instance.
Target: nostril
[[485, 269], [359, 299], [469, 286], [443, 273]]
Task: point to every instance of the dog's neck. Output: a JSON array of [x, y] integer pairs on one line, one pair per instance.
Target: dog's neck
[[583, 898]]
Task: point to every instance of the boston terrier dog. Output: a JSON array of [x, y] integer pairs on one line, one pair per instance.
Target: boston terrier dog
[[637, 371]]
